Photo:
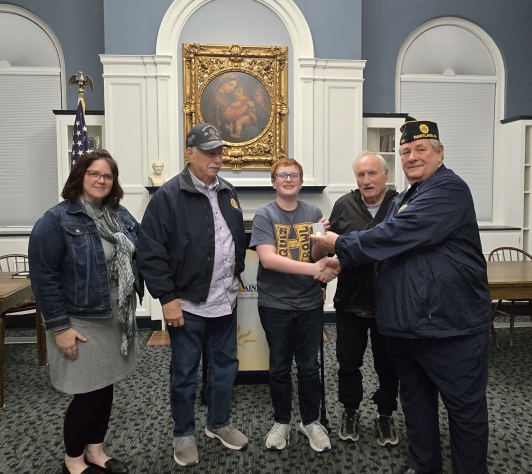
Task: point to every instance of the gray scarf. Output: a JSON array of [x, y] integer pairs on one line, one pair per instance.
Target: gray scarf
[[120, 267]]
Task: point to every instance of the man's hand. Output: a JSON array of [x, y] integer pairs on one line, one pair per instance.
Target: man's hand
[[327, 269], [67, 343], [326, 223], [325, 242], [173, 314], [332, 263]]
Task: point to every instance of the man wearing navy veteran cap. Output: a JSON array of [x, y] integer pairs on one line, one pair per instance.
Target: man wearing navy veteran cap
[[433, 304], [191, 251]]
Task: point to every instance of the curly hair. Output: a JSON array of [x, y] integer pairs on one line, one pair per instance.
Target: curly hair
[[73, 188], [286, 162]]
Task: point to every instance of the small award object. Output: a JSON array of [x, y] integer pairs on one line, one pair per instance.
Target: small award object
[[318, 229]]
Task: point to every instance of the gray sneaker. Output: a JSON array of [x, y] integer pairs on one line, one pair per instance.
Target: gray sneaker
[[229, 436], [350, 427], [385, 431], [185, 451], [317, 436]]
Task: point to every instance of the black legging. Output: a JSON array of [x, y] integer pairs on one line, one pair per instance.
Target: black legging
[[86, 420]]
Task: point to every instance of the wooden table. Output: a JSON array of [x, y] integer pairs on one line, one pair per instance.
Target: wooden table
[[13, 292], [510, 281]]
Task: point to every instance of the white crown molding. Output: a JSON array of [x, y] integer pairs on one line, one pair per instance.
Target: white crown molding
[[288, 12]]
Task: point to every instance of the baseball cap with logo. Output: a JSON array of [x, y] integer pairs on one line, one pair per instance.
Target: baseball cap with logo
[[204, 136]]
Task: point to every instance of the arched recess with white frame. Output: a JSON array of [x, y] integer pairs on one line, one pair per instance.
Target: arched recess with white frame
[[451, 71], [168, 49], [32, 85]]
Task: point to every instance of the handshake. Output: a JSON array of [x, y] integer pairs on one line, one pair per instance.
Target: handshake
[[328, 267]]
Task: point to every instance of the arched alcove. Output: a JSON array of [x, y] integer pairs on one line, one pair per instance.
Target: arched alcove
[[449, 70], [168, 47], [32, 85]]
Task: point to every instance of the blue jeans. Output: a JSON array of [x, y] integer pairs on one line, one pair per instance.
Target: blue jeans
[[289, 333], [186, 342]]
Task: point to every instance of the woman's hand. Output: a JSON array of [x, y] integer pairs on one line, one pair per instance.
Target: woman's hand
[[67, 343]]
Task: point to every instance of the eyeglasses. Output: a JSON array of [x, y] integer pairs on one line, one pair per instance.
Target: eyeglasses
[[293, 176], [96, 175]]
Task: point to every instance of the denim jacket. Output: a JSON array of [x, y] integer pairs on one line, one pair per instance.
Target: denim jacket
[[67, 265]]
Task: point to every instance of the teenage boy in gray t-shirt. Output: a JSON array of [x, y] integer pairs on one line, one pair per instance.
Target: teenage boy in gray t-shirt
[[291, 303]]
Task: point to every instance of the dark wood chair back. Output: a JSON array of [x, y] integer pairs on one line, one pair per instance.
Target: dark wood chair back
[[508, 254]]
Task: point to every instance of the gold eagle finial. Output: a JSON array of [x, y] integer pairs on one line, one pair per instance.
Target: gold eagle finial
[[81, 81]]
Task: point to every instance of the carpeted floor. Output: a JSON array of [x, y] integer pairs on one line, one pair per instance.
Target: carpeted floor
[[140, 430]]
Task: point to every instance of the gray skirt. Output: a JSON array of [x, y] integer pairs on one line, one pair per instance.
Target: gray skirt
[[100, 362]]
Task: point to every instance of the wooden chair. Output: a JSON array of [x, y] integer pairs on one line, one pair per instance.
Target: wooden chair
[[508, 254], [18, 263]]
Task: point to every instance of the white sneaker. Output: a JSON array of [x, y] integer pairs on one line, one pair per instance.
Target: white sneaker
[[278, 437], [317, 436]]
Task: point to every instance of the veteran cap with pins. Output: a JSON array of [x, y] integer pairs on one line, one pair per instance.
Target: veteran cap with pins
[[418, 129], [204, 136]]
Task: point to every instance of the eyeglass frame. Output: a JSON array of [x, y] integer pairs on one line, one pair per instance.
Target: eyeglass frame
[[106, 177], [293, 176]]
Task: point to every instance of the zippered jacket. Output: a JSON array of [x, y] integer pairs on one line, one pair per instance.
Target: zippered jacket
[[431, 280], [176, 242]]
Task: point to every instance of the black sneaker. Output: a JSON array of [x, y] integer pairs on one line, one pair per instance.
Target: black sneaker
[[350, 428], [385, 431]]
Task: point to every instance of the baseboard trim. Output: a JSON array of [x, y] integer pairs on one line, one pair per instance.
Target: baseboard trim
[[146, 323]]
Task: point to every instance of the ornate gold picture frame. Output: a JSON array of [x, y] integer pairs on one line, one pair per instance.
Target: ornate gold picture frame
[[241, 90]]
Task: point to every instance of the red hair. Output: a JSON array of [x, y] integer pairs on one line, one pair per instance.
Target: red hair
[[286, 162]]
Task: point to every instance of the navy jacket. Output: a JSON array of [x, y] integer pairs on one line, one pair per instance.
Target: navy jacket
[[432, 279], [176, 241], [67, 264]]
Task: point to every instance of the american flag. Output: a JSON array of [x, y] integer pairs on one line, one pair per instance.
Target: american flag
[[80, 138]]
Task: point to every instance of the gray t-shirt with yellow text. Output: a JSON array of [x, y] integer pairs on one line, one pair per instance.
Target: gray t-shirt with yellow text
[[290, 232]]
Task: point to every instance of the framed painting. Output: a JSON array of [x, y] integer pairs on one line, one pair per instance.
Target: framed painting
[[242, 91]]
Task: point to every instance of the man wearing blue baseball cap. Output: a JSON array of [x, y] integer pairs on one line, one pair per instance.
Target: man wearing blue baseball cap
[[433, 303], [191, 251]]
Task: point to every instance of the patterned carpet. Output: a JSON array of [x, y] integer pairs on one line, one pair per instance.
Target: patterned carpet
[[140, 430]]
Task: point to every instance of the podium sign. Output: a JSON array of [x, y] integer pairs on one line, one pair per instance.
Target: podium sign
[[252, 348]]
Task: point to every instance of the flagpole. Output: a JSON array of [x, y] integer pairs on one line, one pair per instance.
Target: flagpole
[[80, 138]]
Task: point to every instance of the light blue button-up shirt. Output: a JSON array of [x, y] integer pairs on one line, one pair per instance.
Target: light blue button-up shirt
[[224, 284]]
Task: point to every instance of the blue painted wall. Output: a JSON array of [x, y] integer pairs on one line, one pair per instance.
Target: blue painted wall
[[131, 26], [387, 23], [336, 27], [78, 24], [341, 29]]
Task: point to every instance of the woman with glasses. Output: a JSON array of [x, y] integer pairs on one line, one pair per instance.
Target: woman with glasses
[[81, 255]]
